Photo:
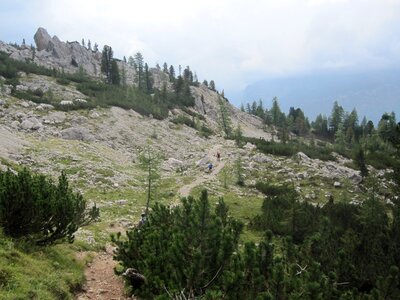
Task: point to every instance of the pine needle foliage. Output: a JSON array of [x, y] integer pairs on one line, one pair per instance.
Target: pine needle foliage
[[184, 249], [33, 207]]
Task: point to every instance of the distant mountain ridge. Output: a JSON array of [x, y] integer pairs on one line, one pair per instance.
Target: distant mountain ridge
[[372, 93]]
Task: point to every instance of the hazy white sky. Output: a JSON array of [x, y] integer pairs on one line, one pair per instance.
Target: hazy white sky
[[233, 42]]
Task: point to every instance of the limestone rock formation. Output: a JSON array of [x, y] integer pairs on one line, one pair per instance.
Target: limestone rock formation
[[69, 57], [42, 39]]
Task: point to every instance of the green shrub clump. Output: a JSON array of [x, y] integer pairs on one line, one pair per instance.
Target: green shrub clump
[[183, 249], [181, 119], [32, 206]]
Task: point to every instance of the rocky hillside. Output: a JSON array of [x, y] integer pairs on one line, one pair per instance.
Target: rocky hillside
[[100, 146]]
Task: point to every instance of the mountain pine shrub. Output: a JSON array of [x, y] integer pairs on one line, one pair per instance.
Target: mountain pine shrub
[[34, 207], [184, 249]]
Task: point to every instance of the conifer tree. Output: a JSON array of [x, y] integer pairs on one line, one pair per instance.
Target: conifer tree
[[106, 63], [115, 77], [195, 79], [224, 117], [148, 79], [238, 136], [276, 113], [248, 108], [320, 126], [359, 160], [171, 73], [32, 206], [139, 66], [336, 118], [150, 163], [109, 66], [165, 68], [188, 75], [212, 85], [387, 126], [239, 171], [185, 250], [131, 61]]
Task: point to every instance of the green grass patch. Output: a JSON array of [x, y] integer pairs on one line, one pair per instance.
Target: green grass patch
[[38, 273], [105, 172]]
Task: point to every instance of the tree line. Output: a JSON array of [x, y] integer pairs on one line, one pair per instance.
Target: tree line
[[349, 137]]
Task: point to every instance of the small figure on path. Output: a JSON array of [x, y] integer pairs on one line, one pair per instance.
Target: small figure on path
[[210, 166], [218, 156], [142, 220]]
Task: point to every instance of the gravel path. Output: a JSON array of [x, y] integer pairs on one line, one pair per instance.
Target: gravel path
[[184, 191], [101, 282]]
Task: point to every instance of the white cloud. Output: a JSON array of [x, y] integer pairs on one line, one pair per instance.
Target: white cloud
[[233, 42]]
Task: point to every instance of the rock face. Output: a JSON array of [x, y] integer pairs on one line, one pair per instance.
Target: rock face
[[42, 39], [69, 56], [51, 52]]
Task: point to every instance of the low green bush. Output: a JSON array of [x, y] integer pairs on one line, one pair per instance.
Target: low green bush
[[34, 96], [9, 67], [181, 249], [63, 81], [181, 119], [205, 131], [33, 207]]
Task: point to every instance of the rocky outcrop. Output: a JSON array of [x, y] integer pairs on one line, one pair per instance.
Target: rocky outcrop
[[173, 164], [31, 124], [69, 57], [56, 117], [77, 133], [42, 39]]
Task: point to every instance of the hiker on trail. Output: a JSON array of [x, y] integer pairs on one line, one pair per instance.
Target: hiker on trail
[[218, 156], [210, 166], [142, 220]]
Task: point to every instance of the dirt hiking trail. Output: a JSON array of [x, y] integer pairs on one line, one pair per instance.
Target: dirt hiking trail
[[101, 282], [184, 191]]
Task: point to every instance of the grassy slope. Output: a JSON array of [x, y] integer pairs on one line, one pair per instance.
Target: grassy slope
[[28, 272]]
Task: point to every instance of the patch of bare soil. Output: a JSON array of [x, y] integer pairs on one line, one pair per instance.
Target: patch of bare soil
[[101, 282]]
